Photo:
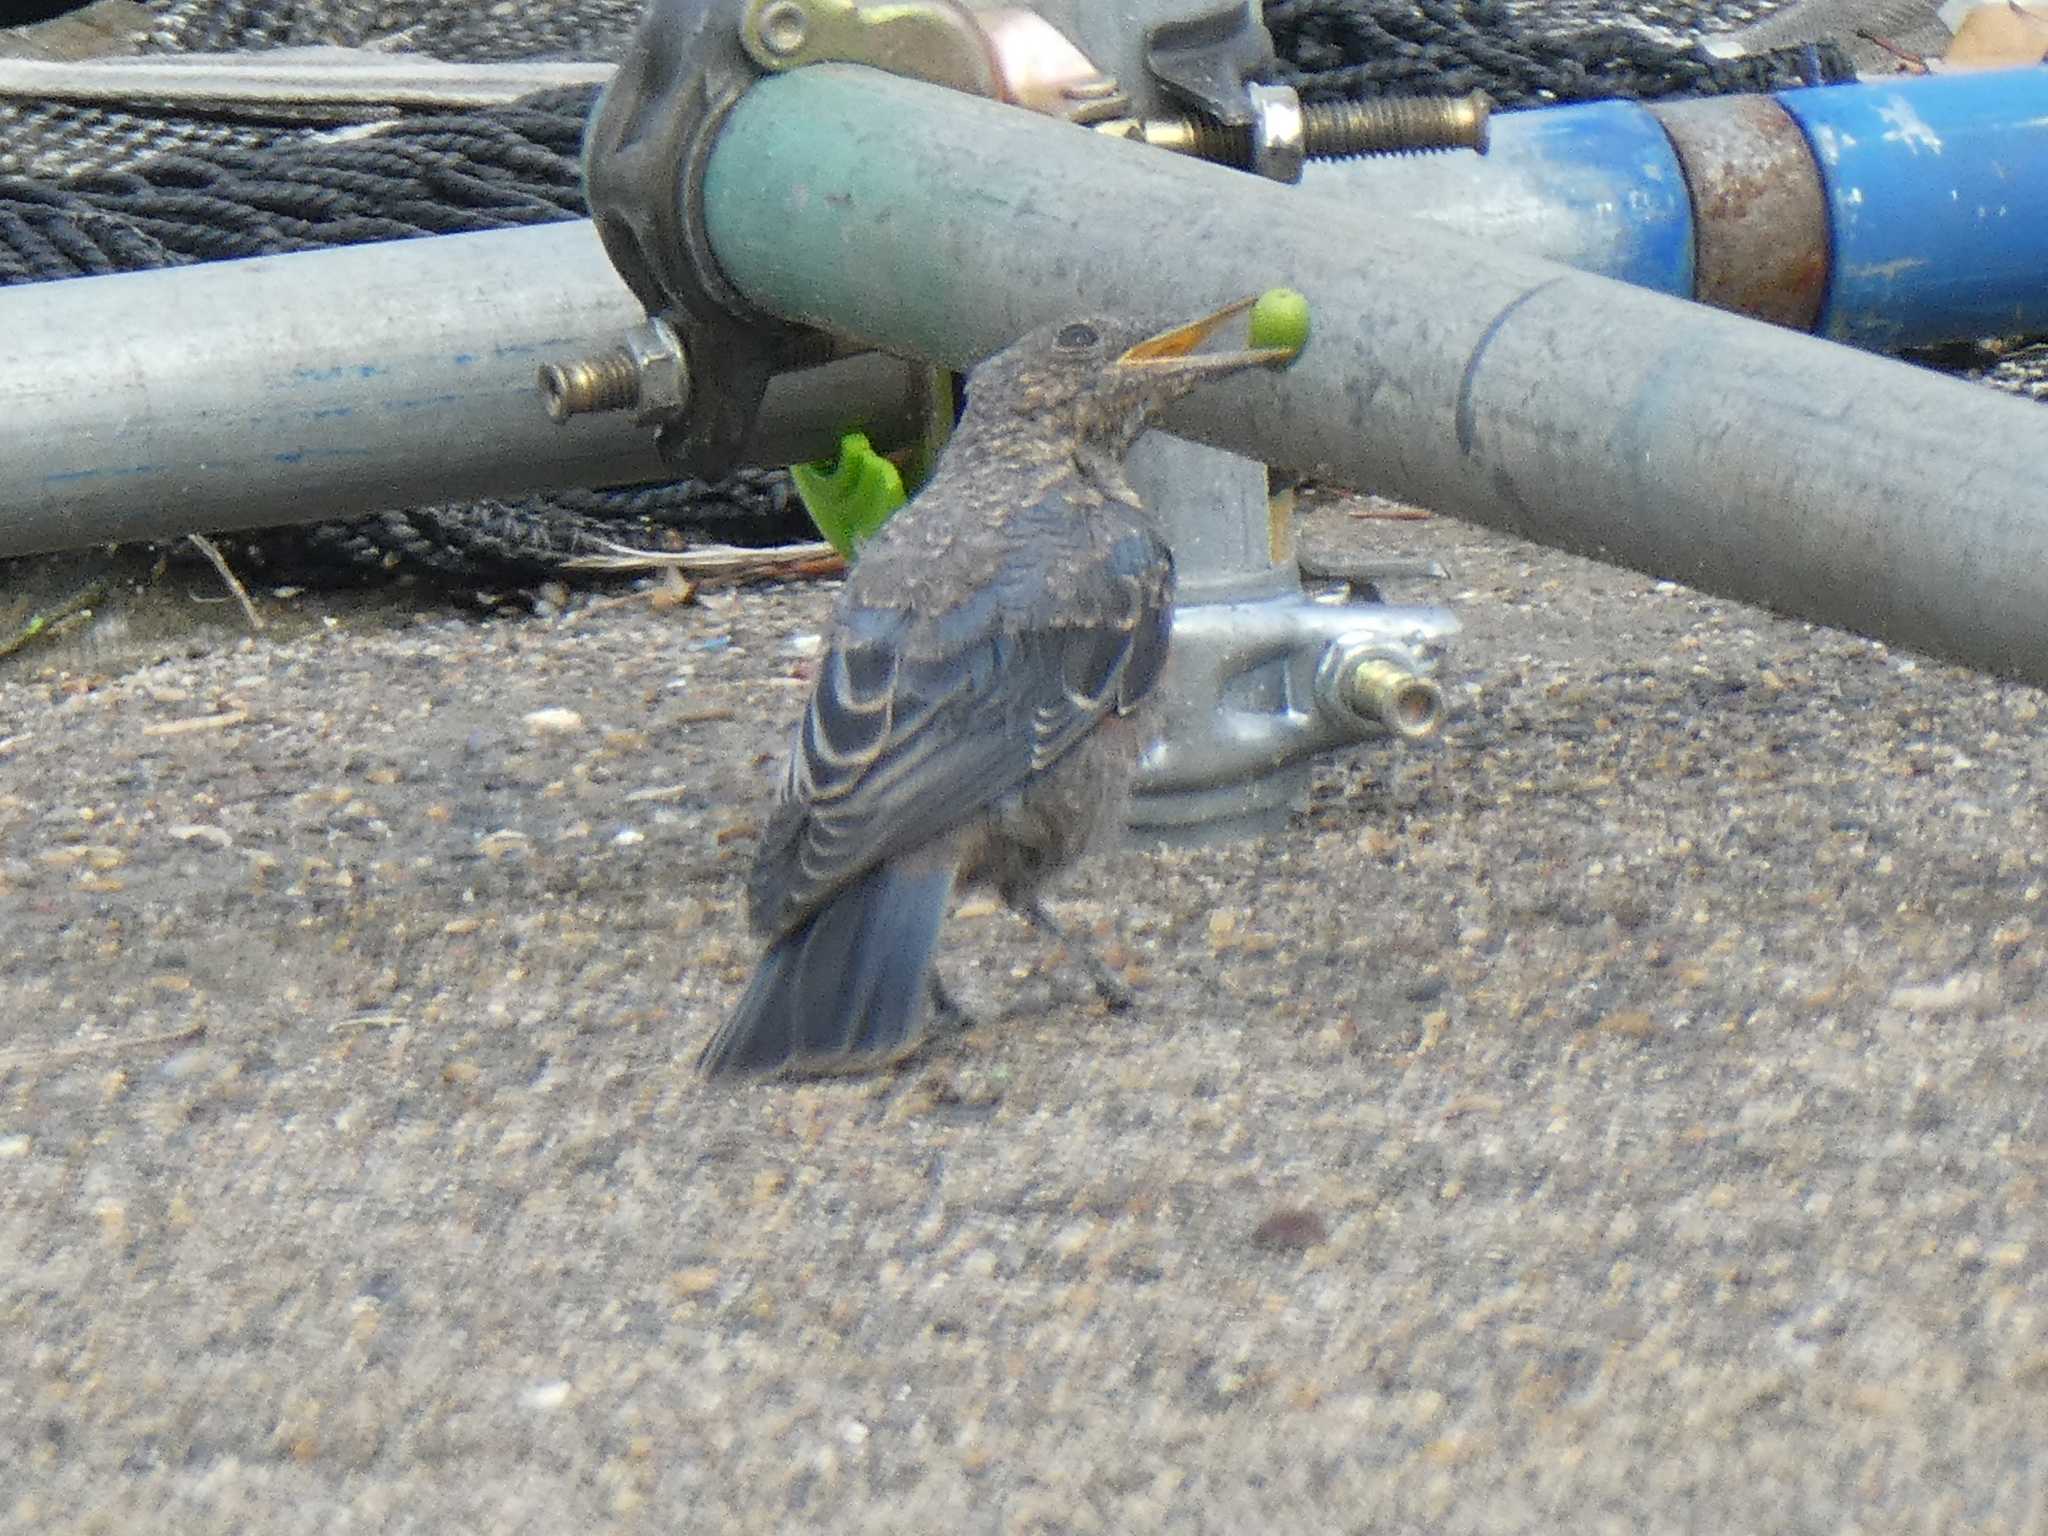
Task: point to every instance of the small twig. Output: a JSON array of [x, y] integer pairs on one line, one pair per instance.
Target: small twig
[[597, 605], [186, 724], [50, 620], [717, 564], [1915, 62], [1379, 510], [657, 792], [100, 1047], [671, 591], [376, 1018], [219, 562]]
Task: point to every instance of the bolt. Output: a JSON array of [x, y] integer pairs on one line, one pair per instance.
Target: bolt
[[607, 381], [1337, 130], [647, 374], [1331, 130], [1405, 702], [782, 28], [1364, 684]]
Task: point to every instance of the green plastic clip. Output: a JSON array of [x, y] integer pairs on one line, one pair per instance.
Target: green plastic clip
[[850, 495]]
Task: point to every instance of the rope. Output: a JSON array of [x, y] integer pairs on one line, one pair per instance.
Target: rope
[[1349, 48], [447, 29], [516, 542], [427, 176]]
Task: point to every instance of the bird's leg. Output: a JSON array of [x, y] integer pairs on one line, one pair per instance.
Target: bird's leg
[[946, 1008], [1115, 995]]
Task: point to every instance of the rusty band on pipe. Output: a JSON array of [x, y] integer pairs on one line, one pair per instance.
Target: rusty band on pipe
[[1760, 227]]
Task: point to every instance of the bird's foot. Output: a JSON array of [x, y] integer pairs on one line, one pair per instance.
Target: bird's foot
[[946, 1008], [1115, 993]]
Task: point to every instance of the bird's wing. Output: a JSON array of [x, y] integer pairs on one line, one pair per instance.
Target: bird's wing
[[917, 724]]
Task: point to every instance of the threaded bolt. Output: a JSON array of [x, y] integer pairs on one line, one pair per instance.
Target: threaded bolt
[[1337, 130], [1202, 137], [1331, 130], [605, 381]]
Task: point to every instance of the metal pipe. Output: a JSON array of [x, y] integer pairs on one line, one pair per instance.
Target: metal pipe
[[1937, 193], [303, 81], [1885, 214], [296, 388], [1750, 461], [1595, 186], [1759, 219]]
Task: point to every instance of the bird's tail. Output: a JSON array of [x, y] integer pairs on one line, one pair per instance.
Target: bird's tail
[[846, 989]]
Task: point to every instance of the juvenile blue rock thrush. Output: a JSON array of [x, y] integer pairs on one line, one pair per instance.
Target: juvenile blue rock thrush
[[971, 723]]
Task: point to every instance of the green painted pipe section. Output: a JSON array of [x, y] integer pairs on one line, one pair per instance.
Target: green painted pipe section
[[1747, 461]]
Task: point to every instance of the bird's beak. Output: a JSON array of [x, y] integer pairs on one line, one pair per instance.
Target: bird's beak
[[1171, 354]]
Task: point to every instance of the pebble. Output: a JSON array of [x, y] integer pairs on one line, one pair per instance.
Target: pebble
[[1940, 997], [213, 837], [1290, 1229], [553, 722]]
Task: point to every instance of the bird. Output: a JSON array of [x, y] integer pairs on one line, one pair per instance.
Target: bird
[[973, 720]]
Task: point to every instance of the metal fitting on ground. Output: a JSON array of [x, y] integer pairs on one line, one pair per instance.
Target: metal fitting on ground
[[1371, 686], [647, 373], [1246, 689]]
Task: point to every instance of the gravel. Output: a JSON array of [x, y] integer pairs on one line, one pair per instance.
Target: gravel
[[1626, 1115]]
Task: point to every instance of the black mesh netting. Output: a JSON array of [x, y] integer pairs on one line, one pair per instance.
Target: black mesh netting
[[123, 190], [447, 29], [426, 176], [1342, 48]]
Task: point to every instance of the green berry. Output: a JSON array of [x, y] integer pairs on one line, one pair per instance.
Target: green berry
[[1280, 319]]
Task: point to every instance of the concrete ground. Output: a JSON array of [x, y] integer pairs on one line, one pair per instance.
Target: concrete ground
[[1625, 1116]]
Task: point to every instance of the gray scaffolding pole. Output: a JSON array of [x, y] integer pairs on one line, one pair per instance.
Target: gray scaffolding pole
[[289, 389], [1580, 412]]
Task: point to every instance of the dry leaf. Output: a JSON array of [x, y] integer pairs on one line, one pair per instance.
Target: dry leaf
[[2000, 35]]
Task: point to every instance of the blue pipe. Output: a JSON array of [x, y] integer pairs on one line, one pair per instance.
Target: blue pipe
[[1935, 190], [1592, 187], [1596, 187]]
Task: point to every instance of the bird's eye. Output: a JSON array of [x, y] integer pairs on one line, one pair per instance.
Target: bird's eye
[[1078, 335]]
